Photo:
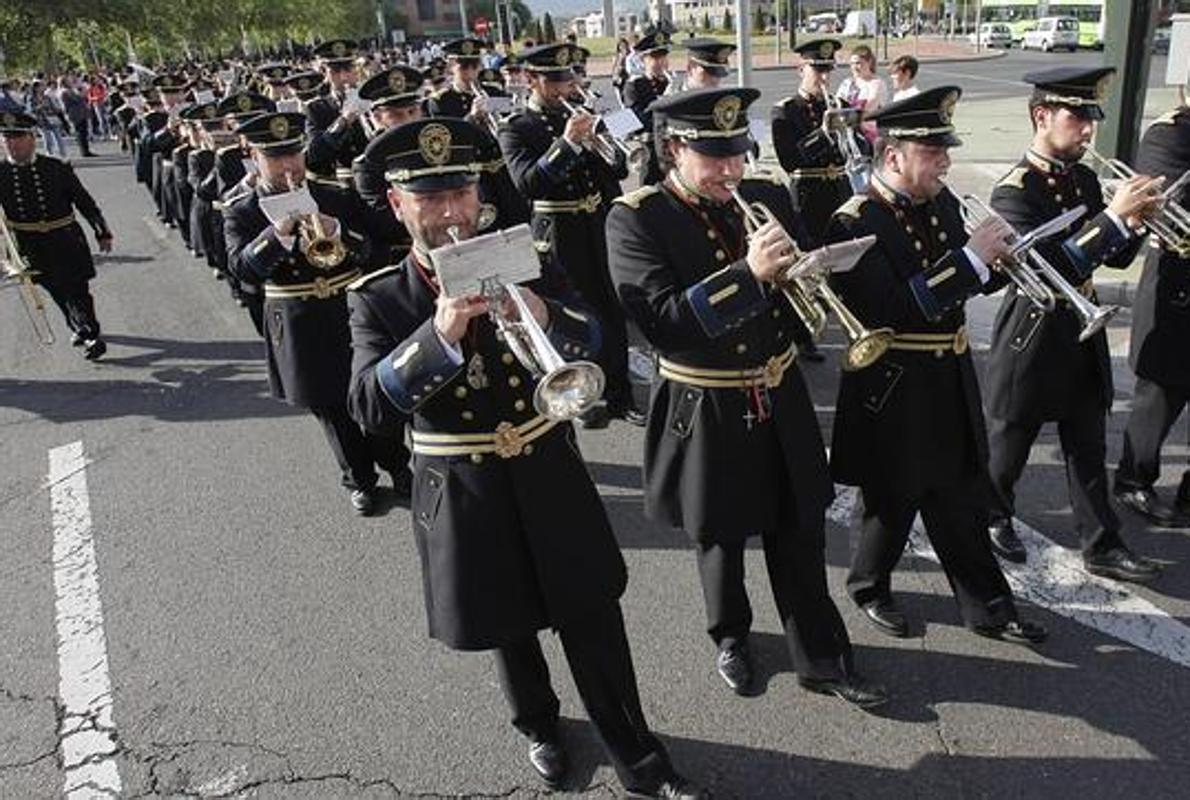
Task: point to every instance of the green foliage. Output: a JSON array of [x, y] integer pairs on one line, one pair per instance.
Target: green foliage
[[548, 34], [728, 23], [706, 21]]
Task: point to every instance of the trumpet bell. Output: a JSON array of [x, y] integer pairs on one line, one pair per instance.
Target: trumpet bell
[[569, 391], [867, 348], [1096, 320]]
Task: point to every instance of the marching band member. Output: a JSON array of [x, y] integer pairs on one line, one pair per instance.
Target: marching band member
[[1038, 371], [39, 195], [909, 429], [1160, 332], [307, 343], [732, 446], [641, 90], [570, 188], [706, 62], [332, 126], [496, 482]]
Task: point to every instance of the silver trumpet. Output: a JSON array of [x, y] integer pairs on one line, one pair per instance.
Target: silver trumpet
[[1042, 283], [1171, 223], [492, 124], [565, 389], [805, 288], [15, 269], [841, 127], [604, 145]]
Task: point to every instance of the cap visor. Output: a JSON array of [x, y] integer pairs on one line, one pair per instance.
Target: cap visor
[[733, 146], [438, 183]]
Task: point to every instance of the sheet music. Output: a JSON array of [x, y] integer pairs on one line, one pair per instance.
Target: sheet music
[[622, 122], [289, 104], [832, 258], [499, 105], [278, 207], [205, 96], [506, 255]]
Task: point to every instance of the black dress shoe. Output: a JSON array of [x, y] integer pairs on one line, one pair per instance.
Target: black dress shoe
[[852, 688], [94, 348], [1144, 501], [549, 761], [734, 664], [594, 419], [810, 352], [363, 501], [1014, 631], [77, 339], [631, 415], [1005, 542], [886, 617], [673, 788], [1121, 564]]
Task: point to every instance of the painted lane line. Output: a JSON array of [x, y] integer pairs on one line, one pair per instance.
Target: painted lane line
[[88, 732], [1054, 578]]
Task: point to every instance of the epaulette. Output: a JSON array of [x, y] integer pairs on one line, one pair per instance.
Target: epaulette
[[1014, 179], [852, 207], [440, 92], [51, 157], [364, 280], [227, 147], [634, 198], [1168, 118], [235, 198]]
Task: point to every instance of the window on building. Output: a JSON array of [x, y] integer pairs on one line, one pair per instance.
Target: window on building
[[426, 9]]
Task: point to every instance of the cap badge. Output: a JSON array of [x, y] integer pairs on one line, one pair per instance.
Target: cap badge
[[662, 39], [339, 49], [244, 103], [725, 112], [9, 119], [279, 128], [723, 54], [434, 144], [209, 111], [1101, 87], [827, 50], [467, 48], [304, 84], [396, 81], [562, 57], [946, 109]]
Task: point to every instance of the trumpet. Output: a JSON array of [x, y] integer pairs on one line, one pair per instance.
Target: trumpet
[[1171, 223], [492, 124], [15, 269], [804, 289], [857, 165], [1043, 286], [605, 145], [565, 389], [321, 250]]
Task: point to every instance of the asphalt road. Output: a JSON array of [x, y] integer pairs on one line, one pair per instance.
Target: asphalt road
[[262, 641]]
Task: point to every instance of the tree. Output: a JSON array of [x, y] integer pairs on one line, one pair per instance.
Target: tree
[[706, 21], [727, 21], [548, 34], [759, 20]]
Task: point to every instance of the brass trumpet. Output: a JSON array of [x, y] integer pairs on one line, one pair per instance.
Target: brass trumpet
[[565, 389], [858, 166], [1043, 286], [1171, 223], [804, 289], [492, 124], [605, 145], [321, 250]]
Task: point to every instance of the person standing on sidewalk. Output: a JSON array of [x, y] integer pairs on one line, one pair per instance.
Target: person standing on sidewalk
[[74, 105]]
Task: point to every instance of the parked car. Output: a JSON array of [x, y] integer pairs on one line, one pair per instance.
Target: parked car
[[992, 34], [1052, 33], [823, 23]]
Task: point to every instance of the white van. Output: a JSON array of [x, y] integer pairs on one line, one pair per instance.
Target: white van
[[1052, 33]]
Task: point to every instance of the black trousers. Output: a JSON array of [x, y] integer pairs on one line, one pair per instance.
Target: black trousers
[[1082, 433], [819, 646], [77, 305], [956, 521], [356, 452], [1155, 408], [601, 664]]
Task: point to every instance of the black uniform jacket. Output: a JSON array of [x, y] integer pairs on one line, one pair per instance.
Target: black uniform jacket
[[801, 145], [449, 102], [639, 94], [47, 190], [912, 421], [509, 545], [1161, 309], [681, 274], [307, 342], [1037, 369]]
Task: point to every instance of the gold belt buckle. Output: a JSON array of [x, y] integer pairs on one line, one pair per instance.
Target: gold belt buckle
[[322, 289], [961, 343], [508, 440], [588, 204], [773, 372]]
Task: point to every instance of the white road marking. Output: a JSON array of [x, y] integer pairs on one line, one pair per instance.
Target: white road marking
[[88, 730], [1054, 579], [968, 76]]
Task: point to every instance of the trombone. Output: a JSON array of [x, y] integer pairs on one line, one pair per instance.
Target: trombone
[[1043, 286], [804, 288], [605, 145], [565, 389], [1171, 223], [15, 269]]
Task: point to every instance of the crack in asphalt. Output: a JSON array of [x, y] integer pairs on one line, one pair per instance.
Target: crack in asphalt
[[947, 747], [9, 696]]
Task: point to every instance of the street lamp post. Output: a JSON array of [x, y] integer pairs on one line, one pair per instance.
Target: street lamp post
[[463, 16]]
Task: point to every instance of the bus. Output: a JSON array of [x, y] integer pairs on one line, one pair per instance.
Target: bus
[[1022, 15], [1018, 15], [1089, 14]]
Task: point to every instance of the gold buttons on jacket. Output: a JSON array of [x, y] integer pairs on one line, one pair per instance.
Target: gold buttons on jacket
[[519, 405], [460, 392], [506, 358], [468, 415], [514, 381], [741, 348], [719, 254]]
